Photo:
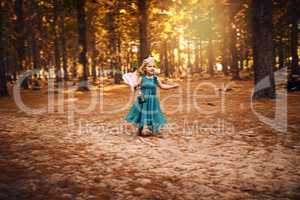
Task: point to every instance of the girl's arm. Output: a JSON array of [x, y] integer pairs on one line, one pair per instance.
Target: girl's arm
[[166, 86]]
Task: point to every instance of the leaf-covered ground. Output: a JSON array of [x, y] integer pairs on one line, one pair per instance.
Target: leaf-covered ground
[[211, 149]]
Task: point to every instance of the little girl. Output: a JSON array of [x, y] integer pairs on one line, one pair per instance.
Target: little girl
[[146, 112]]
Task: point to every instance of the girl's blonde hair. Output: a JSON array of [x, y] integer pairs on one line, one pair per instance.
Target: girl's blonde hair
[[148, 61]]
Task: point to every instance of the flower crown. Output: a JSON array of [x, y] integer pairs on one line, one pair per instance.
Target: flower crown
[[149, 61]]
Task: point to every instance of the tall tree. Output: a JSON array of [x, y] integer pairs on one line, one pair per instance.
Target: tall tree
[[34, 34], [294, 7], [263, 54], [63, 42], [55, 26], [114, 41], [20, 34], [225, 43], [94, 56], [3, 89], [143, 7], [211, 56], [281, 54], [20, 40], [166, 60], [197, 57], [82, 41], [234, 54], [234, 68]]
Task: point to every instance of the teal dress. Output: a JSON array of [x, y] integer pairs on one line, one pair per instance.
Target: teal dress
[[148, 112]]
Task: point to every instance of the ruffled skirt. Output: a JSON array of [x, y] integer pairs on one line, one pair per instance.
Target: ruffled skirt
[[147, 113]]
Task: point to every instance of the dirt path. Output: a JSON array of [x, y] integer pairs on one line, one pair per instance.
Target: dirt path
[[225, 154]]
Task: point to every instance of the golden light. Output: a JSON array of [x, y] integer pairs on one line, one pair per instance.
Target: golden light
[[219, 67]]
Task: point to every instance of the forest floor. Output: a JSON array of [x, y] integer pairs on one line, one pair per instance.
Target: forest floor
[[212, 148]]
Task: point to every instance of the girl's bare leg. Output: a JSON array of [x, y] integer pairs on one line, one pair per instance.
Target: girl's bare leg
[[140, 131]]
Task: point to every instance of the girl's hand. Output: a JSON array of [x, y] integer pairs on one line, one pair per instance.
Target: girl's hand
[[166, 86], [175, 85]]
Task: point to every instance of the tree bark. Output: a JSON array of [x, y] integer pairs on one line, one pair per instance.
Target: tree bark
[[197, 59], [241, 57], [234, 68], [56, 41], [3, 88], [247, 52], [82, 41], [281, 54], [294, 41], [161, 58], [114, 44], [189, 66], [210, 50], [143, 29], [201, 55], [74, 63], [34, 26], [20, 34], [263, 55], [172, 57], [63, 45], [210, 58], [20, 40], [179, 52], [225, 52], [94, 57], [166, 60], [118, 73], [225, 43]]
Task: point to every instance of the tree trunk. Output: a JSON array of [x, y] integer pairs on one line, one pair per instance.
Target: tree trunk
[[247, 57], [189, 52], [234, 68], [143, 28], [82, 42], [20, 34], [190, 66], [35, 52], [179, 52], [172, 57], [210, 50], [281, 54], [196, 52], [161, 58], [241, 57], [94, 57], [56, 41], [294, 42], [20, 40], [210, 58], [225, 53], [118, 73], [263, 55], [225, 43], [166, 61], [3, 88], [113, 45], [74, 63], [34, 27], [128, 61], [63, 45], [201, 55], [131, 59]]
